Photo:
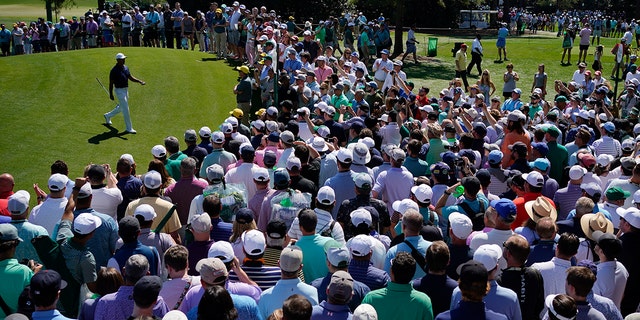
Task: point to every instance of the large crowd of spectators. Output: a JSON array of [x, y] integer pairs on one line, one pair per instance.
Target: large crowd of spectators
[[347, 195]]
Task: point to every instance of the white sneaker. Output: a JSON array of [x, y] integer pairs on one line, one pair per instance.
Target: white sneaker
[[132, 131], [107, 120]]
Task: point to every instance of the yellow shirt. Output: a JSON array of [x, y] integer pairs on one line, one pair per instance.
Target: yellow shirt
[[161, 207], [461, 60]]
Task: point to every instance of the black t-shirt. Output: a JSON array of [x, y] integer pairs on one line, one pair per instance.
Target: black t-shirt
[[439, 288], [459, 255], [527, 284]]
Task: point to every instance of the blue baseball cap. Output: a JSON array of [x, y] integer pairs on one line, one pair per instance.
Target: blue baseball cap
[[506, 209], [281, 178], [609, 126], [449, 157], [495, 156], [440, 169], [541, 147], [540, 164]]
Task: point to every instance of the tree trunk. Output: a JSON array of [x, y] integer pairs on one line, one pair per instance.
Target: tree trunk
[[49, 10], [398, 47]]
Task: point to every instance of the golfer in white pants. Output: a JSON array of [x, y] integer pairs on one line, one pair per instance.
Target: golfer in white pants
[[119, 78]]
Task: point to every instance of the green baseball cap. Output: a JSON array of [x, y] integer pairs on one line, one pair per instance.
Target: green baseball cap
[[616, 193], [552, 130]]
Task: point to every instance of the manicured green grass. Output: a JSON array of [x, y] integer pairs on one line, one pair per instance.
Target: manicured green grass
[[29, 10], [52, 107]]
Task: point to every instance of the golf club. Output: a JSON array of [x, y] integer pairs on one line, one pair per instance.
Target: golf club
[[103, 87]]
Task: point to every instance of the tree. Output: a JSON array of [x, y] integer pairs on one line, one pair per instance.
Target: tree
[[57, 6]]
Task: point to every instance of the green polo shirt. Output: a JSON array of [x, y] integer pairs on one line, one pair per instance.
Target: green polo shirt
[[400, 301], [173, 164], [15, 277], [559, 158], [314, 259]]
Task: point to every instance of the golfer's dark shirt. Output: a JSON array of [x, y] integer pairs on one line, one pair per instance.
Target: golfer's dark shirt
[[120, 76]]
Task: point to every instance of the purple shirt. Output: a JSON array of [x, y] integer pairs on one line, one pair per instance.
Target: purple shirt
[[192, 298], [119, 305], [256, 202], [181, 194], [92, 28], [198, 250], [565, 199]]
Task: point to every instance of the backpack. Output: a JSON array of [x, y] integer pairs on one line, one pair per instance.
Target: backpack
[[327, 232], [477, 218]]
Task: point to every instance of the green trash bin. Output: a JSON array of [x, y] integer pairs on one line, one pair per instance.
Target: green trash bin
[[432, 47]]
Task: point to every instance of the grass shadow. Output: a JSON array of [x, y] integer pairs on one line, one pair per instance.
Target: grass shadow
[[112, 133], [433, 68]]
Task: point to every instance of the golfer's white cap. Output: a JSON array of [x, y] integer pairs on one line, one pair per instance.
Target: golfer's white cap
[[120, 56]]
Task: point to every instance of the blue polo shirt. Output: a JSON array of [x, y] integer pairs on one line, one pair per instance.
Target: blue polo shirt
[[499, 299], [511, 105], [221, 231], [359, 291], [364, 271], [329, 311], [129, 249], [418, 242], [470, 310]]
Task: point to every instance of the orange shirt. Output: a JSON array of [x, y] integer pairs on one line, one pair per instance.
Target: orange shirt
[[509, 139]]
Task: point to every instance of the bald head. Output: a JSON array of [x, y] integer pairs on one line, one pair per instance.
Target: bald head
[[6, 184]]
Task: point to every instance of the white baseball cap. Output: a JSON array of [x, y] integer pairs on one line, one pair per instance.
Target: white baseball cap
[[232, 120], [631, 215], [152, 179], [221, 250], [604, 159], [119, 56], [360, 245], [361, 215], [205, 132], [403, 205], [461, 225], [18, 202], [535, 178], [488, 255], [636, 197], [226, 127], [57, 182], [345, 155], [422, 192], [577, 172], [128, 157], [86, 223], [323, 131], [293, 162], [201, 223], [253, 242], [261, 174], [326, 195], [159, 151], [217, 137], [146, 212], [85, 191]]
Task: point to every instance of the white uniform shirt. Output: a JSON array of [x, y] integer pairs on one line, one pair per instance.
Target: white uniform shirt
[[48, 213], [106, 200], [381, 68]]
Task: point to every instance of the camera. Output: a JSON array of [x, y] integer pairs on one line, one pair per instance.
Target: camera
[[459, 162]]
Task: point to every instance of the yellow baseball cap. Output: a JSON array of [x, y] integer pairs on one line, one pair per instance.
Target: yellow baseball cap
[[237, 113], [243, 69]]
